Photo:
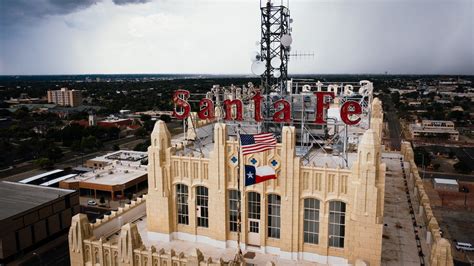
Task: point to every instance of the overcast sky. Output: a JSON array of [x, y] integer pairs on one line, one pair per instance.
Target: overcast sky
[[218, 37]]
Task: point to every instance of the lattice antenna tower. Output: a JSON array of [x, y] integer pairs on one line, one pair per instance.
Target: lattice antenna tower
[[271, 64]]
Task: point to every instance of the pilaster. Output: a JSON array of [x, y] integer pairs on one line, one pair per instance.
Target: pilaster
[[79, 231], [159, 201]]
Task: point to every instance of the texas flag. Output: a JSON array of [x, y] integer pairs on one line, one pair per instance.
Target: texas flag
[[256, 175]]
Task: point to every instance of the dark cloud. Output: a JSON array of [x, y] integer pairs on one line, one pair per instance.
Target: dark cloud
[[126, 2], [14, 12]]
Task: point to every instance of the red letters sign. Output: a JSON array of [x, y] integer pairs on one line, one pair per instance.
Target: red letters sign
[[350, 110]]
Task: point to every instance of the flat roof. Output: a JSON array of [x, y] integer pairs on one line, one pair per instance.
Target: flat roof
[[16, 198], [111, 175], [446, 181], [124, 156], [33, 178], [204, 143]]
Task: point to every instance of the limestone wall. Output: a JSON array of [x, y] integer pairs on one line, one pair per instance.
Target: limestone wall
[[440, 253], [113, 222], [127, 249]]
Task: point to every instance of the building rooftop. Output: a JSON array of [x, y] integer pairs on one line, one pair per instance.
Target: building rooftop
[[445, 181], [16, 198], [115, 174], [125, 157], [399, 246], [316, 156], [226, 254]]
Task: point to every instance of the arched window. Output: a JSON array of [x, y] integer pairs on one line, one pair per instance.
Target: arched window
[[182, 203], [311, 221], [234, 196], [337, 223], [202, 206], [274, 205]]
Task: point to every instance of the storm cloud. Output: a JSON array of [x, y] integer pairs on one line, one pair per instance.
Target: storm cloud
[[218, 36], [18, 12], [126, 2], [21, 11]]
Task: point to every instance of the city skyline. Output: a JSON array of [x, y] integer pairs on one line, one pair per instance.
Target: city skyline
[[210, 37]]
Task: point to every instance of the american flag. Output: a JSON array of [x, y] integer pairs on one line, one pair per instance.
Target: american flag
[[257, 143]]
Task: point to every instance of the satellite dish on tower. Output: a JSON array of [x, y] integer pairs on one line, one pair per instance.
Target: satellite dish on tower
[[286, 40], [276, 73], [255, 56], [276, 62], [258, 68]]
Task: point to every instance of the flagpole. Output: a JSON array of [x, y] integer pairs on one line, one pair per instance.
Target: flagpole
[[239, 209]]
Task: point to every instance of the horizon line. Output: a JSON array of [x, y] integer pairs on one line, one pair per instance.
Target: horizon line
[[239, 74]]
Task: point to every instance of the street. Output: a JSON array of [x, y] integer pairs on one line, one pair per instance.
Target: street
[[395, 131]]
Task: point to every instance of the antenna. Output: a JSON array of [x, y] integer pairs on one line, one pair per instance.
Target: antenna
[[275, 45], [302, 54]]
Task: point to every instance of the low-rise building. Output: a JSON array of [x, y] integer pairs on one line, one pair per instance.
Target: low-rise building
[[32, 215], [445, 184], [434, 129], [114, 176]]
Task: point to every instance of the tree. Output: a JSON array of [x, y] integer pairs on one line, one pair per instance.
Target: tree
[[44, 163], [145, 117], [422, 157], [451, 155], [165, 118], [90, 143], [142, 146], [5, 113], [71, 133], [395, 97], [148, 125], [21, 113], [141, 132], [113, 133], [462, 167], [76, 146], [54, 153]]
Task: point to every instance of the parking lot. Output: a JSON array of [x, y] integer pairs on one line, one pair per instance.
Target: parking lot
[[457, 226]]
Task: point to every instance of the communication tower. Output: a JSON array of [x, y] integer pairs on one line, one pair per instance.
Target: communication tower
[[271, 63]]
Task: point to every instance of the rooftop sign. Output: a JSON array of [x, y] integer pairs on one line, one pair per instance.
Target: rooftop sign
[[319, 102], [349, 112]]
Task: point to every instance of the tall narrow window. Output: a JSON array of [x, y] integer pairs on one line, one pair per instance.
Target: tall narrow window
[[202, 209], [337, 222], [311, 221], [254, 212], [182, 203], [233, 210], [274, 202]]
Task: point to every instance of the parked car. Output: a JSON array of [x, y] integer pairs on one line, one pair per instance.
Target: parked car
[[464, 246], [91, 203]]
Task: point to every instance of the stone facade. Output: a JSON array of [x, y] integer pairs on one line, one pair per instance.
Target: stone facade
[[361, 189], [88, 247], [440, 253]]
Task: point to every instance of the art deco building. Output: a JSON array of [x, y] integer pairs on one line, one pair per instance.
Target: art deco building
[[315, 211], [311, 213]]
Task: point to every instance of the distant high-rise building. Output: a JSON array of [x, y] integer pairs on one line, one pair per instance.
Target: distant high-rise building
[[65, 97]]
